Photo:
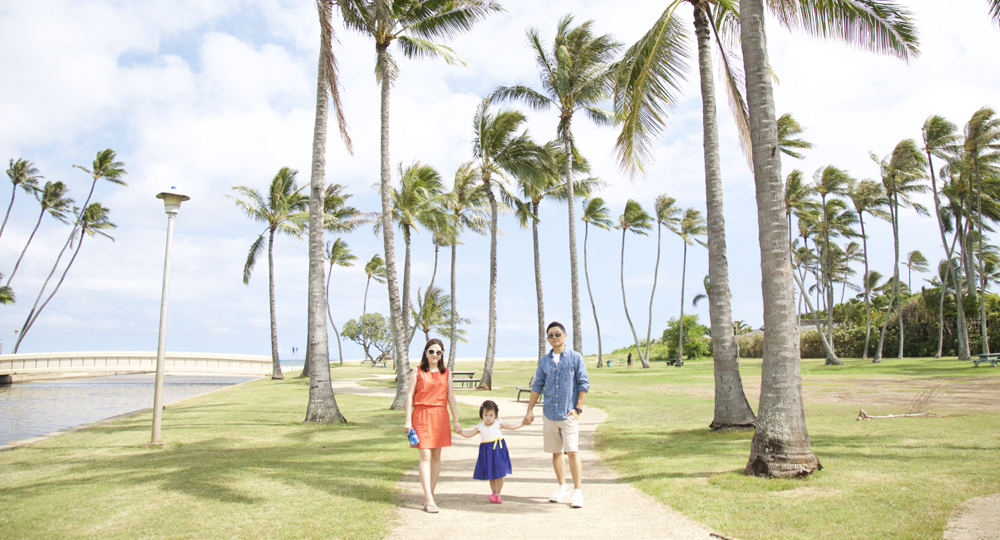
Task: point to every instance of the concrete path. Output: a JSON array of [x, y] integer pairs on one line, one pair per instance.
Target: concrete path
[[612, 509]]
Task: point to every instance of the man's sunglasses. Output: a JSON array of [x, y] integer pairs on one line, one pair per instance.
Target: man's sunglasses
[[556, 335]]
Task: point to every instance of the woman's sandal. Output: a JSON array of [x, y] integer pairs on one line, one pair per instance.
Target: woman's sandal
[[431, 509]]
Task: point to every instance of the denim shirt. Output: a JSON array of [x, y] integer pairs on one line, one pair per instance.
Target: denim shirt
[[560, 383]]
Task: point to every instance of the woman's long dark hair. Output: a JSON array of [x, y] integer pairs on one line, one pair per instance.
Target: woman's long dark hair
[[425, 364]]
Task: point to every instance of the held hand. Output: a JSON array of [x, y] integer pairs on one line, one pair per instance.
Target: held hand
[[458, 427], [529, 417]]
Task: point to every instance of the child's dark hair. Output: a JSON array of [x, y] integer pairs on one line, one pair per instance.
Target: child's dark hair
[[488, 405]]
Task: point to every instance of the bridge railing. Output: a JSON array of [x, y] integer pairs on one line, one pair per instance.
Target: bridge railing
[[134, 362]]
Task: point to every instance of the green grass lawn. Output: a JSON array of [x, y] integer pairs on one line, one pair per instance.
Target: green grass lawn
[[239, 463]]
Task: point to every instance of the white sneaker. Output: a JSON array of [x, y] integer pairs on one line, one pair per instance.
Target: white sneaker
[[577, 499], [560, 495]]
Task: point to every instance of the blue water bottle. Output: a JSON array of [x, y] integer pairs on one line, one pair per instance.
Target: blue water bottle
[[414, 440]]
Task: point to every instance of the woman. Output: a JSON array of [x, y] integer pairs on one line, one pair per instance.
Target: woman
[[427, 404]]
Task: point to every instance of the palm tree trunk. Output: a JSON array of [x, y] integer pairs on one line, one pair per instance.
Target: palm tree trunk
[[635, 337], [275, 361], [62, 278], [486, 381], [401, 357], [892, 295], [895, 270], [656, 273], [574, 274], [406, 286], [868, 310], [13, 193], [420, 314], [453, 332], [364, 305], [960, 320], [680, 344], [963, 332], [31, 314], [322, 406], [23, 251], [340, 349], [985, 348], [780, 446], [600, 354], [538, 282], [732, 411], [944, 285]]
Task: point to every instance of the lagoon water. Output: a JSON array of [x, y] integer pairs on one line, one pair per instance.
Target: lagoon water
[[31, 409]]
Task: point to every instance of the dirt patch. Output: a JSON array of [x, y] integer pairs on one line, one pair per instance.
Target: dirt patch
[[977, 519]]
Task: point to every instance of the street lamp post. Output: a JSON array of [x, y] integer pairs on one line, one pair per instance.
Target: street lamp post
[[172, 205]]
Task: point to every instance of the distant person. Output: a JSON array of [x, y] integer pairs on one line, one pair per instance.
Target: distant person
[[427, 403], [629, 361], [562, 376], [494, 459]]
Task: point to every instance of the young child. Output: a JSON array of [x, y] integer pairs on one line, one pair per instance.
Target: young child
[[494, 459]]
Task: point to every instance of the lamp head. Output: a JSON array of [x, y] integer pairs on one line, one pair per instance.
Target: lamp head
[[172, 200]]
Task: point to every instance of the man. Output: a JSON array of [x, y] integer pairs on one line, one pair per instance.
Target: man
[[562, 375]]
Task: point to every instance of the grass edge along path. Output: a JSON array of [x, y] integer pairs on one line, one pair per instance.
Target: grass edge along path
[[893, 478], [238, 463]]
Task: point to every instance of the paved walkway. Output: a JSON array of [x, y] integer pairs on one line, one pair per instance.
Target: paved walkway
[[612, 509]]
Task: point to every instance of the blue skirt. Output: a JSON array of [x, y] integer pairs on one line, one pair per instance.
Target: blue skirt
[[493, 462]]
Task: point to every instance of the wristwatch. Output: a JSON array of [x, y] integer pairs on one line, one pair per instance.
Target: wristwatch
[[578, 410]]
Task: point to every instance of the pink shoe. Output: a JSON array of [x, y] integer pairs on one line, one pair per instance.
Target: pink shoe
[[495, 499]]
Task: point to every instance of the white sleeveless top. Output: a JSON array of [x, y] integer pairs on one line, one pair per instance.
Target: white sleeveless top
[[489, 433]]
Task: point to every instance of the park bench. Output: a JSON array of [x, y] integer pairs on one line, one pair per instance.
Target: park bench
[[522, 389], [467, 381], [992, 358]]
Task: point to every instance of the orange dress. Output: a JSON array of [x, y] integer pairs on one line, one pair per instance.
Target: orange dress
[[430, 408]]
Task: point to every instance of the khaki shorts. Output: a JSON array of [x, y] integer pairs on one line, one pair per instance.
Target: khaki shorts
[[563, 436]]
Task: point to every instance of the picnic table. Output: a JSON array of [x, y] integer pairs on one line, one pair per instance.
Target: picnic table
[[466, 381], [992, 358]]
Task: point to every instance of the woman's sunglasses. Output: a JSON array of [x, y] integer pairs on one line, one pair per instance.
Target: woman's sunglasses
[[435, 353]]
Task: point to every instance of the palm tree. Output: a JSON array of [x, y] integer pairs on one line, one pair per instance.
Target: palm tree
[[994, 10], [92, 221], [54, 201], [467, 201], [499, 151], [338, 254], [435, 314], [104, 167], [375, 269], [689, 228], [416, 203], [7, 296], [23, 174], [867, 196], [982, 145], [283, 210], [940, 139], [652, 70], [667, 215], [914, 261], [322, 407], [412, 24], [788, 128], [539, 183], [829, 181], [596, 214], [575, 76], [634, 219], [902, 172]]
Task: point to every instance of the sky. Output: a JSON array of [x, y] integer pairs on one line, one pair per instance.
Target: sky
[[204, 95]]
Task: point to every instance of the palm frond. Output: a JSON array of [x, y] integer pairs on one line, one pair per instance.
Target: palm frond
[[646, 82], [882, 27], [414, 47]]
